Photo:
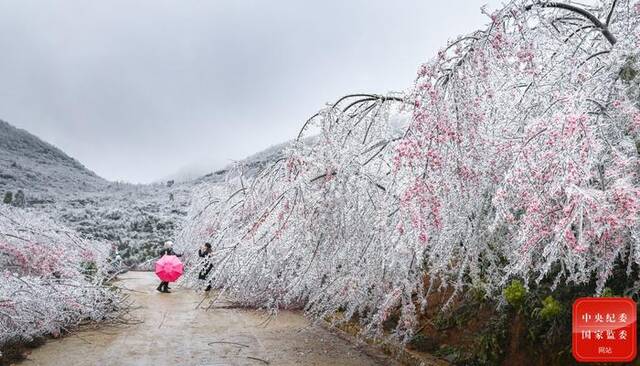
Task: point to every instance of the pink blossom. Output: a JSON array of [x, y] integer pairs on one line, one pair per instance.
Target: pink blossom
[[635, 124]]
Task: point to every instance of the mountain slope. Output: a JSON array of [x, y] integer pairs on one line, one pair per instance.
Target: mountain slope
[[136, 219], [39, 168]]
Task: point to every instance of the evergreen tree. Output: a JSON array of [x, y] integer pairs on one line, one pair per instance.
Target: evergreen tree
[[19, 200], [8, 197]]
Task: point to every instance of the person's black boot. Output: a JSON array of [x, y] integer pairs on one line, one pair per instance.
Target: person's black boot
[[159, 288]]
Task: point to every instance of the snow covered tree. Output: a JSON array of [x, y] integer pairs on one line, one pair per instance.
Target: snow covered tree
[[515, 154], [530, 128], [19, 200], [51, 278], [8, 198]]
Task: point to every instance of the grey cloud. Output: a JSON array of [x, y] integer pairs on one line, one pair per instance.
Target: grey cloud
[[136, 90]]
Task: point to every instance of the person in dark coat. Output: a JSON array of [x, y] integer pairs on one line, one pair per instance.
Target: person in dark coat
[[168, 250], [204, 252]]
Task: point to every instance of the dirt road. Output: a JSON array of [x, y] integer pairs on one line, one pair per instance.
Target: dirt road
[[173, 332]]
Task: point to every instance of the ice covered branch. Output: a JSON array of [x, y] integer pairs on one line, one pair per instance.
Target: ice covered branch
[[51, 278], [492, 166], [604, 27]]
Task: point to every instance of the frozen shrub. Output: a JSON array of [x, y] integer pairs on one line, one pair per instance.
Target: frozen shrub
[[51, 279], [8, 198]]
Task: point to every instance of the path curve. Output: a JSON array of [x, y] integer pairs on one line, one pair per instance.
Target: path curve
[[173, 332]]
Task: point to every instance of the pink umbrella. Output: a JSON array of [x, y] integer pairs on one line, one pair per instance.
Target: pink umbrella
[[169, 268]]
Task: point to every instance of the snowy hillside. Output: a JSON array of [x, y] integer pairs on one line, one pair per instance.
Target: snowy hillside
[[134, 218], [40, 169], [250, 166]]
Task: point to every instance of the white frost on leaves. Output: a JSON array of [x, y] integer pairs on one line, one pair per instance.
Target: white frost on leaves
[[51, 279], [519, 157]]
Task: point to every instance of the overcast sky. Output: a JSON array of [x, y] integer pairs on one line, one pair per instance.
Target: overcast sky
[[138, 90]]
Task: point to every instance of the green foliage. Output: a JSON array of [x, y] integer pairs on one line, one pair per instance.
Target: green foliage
[[551, 308], [515, 293], [8, 197], [607, 292], [537, 322], [488, 347], [19, 200], [490, 344], [89, 268], [518, 213], [459, 316], [628, 72], [477, 293]]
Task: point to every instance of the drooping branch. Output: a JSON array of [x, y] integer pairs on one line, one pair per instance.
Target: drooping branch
[[498, 163], [613, 7], [46, 277], [604, 27]]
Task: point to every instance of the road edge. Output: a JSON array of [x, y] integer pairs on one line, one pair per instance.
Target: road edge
[[385, 352]]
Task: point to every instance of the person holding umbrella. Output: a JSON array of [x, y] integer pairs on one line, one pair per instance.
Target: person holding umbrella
[[168, 263]]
